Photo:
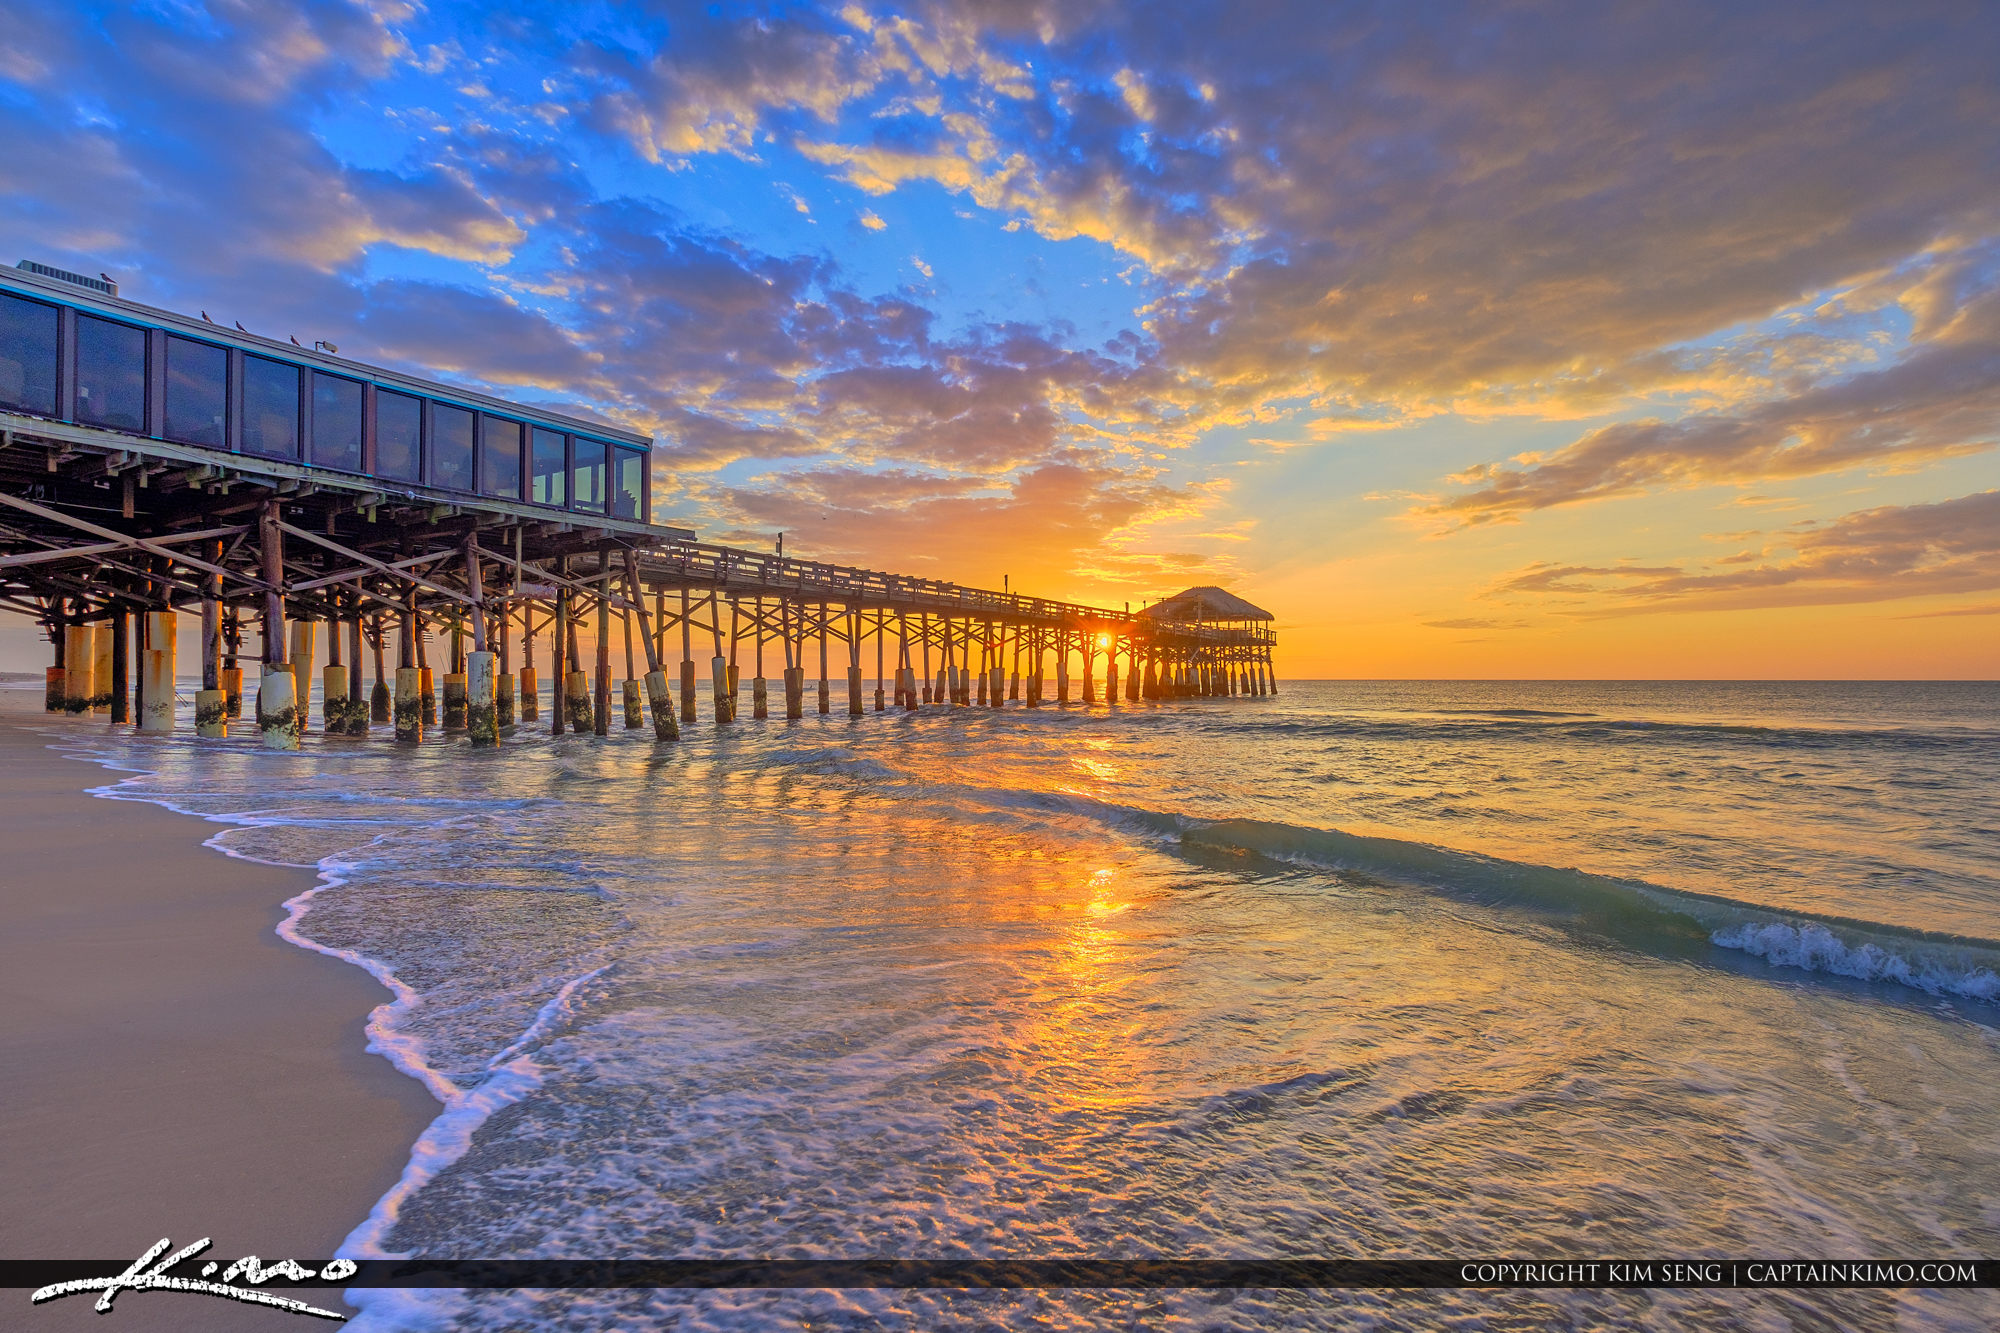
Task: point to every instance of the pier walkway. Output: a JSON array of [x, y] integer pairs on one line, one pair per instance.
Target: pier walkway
[[152, 464]]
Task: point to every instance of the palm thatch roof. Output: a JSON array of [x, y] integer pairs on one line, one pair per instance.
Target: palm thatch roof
[[1207, 605]]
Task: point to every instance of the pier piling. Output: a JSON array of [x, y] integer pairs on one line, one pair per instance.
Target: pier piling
[[482, 718], [121, 665], [159, 672], [277, 707], [409, 715]]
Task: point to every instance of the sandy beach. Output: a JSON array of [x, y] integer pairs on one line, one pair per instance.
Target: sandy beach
[[175, 1069]]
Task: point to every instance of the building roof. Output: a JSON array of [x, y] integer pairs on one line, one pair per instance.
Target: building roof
[[34, 282], [1205, 604]]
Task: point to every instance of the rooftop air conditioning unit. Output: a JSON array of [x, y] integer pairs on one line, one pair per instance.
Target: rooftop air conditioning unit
[[105, 285]]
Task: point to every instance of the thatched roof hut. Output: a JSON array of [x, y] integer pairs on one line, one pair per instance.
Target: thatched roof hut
[[1206, 605]]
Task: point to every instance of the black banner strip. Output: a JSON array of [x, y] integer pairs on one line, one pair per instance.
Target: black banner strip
[[1026, 1274]]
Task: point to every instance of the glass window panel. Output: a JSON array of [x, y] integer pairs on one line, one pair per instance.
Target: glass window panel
[[336, 423], [451, 447], [587, 475], [28, 356], [399, 435], [270, 408], [500, 457], [197, 391], [629, 485], [111, 375], [550, 468]]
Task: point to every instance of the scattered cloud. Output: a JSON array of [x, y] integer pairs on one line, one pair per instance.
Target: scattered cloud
[[1940, 401], [1872, 555], [1731, 246]]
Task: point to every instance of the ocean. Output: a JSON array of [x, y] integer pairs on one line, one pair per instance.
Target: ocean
[[1368, 969]]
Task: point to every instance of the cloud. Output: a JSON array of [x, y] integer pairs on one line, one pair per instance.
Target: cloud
[[1476, 622], [1759, 237], [1872, 555], [690, 79], [198, 166], [1567, 211], [1431, 205], [1989, 609], [453, 330], [1942, 400], [1045, 526]]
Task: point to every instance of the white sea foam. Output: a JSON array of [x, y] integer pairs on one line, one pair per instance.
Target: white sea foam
[[511, 1075], [1815, 948]]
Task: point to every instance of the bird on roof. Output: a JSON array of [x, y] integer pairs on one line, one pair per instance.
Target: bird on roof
[[102, 274], [240, 328], [296, 342], [205, 319]]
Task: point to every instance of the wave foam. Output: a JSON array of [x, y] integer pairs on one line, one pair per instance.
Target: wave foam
[[1651, 917], [1815, 948]]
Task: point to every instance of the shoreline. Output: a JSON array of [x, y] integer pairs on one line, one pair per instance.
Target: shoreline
[[180, 1069]]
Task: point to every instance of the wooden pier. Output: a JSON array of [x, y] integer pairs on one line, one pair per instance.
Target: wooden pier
[[153, 464]]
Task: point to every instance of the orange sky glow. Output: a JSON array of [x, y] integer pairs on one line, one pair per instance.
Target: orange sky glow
[[1564, 342]]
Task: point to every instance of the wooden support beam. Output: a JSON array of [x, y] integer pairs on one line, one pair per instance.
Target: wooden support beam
[[378, 566], [143, 543]]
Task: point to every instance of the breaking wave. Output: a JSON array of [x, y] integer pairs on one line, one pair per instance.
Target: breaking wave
[[1647, 916]]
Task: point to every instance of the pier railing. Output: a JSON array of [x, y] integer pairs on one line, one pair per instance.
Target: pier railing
[[699, 564]]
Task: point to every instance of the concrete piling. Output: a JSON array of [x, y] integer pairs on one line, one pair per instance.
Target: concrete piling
[[277, 707], [795, 693], [854, 691], [409, 715], [157, 673], [531, 699], [576, 701], [760, 699], [304, 633], [79, 649], [503, 700], [211, 714], [100, 668], [718, 671], [635, 709], [482, 718], [455, 701], [661, 700], [232, 691], [333, 688], [427, 696]]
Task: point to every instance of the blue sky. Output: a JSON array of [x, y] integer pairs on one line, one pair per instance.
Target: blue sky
[[1541, 339]]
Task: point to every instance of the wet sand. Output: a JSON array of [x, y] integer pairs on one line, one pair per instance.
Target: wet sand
[[173, 1068]]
